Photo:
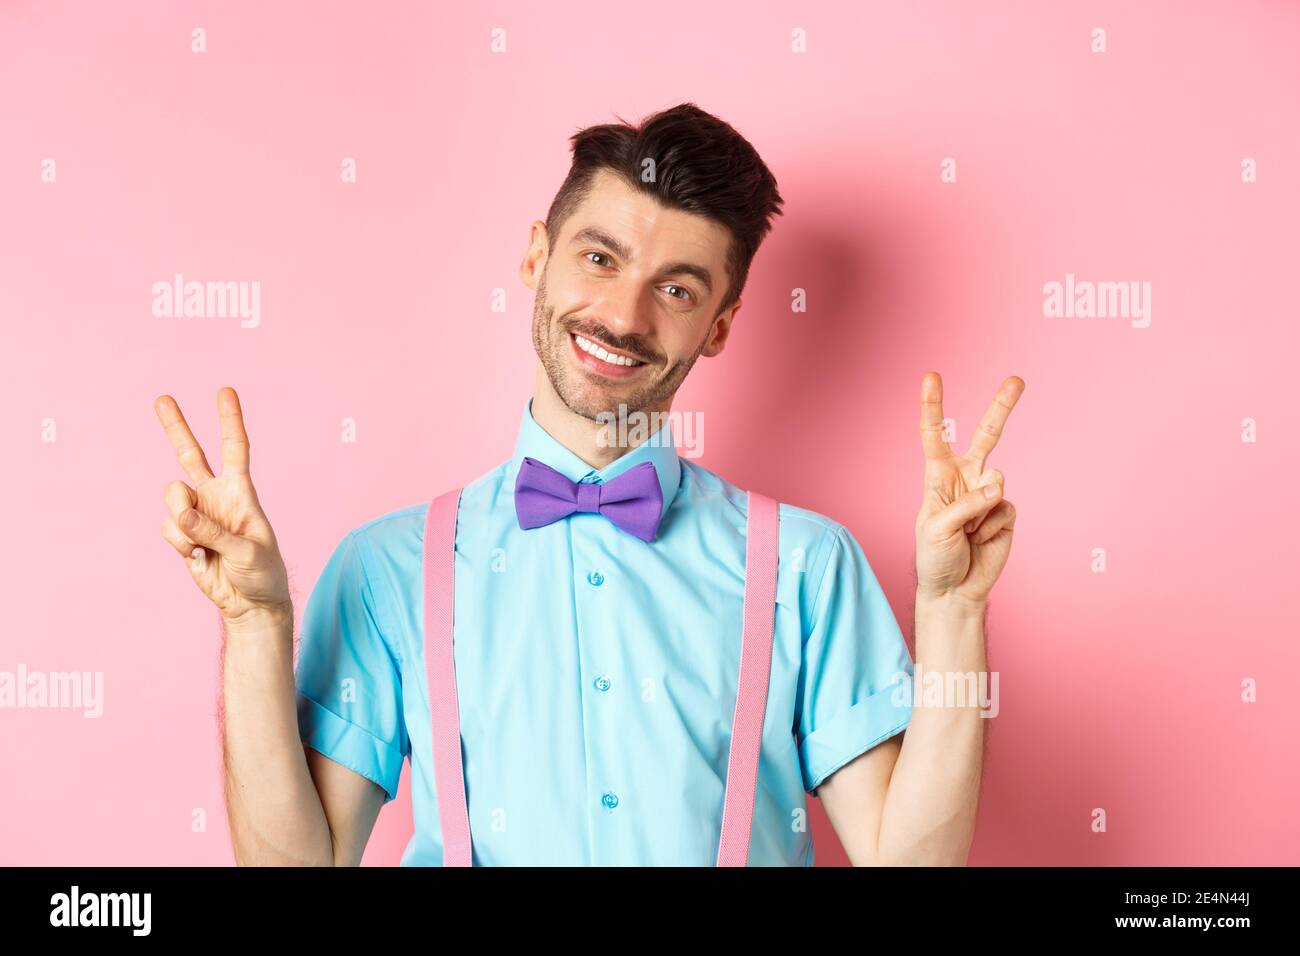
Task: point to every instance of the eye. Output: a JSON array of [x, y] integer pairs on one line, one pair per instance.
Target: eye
[[600, 254], [685, 296]]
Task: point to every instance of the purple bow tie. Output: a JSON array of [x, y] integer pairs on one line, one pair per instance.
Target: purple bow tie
[[633, 500]]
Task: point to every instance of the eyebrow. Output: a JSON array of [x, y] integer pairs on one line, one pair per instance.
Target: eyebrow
[[602, 238]]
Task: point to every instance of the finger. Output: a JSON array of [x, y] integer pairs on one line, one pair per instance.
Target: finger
[[1001, 518], [932, 417], [990, 427], [234, 440], [989, 476], [178, 497], [201, 529], [974, 504], [188, 451], [177, 539]]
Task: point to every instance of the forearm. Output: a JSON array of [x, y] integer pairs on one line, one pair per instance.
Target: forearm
[[930, 806], [276, 816]]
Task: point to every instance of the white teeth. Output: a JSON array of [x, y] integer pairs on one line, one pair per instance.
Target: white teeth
[[591, 347]]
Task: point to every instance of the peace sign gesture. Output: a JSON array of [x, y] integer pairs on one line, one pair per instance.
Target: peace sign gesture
[[963, 534], [218, 524]]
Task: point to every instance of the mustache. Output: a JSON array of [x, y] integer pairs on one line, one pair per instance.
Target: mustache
[[620, 344]]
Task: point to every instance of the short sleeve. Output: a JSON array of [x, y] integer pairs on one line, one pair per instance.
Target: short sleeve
[[855, 682], [349, 687]]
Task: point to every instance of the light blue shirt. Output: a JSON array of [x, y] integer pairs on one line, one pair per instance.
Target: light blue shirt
[[597, 673]]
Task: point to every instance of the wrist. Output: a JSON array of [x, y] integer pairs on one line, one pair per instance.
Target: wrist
[[260, 622], [949, 633], [950, 604]]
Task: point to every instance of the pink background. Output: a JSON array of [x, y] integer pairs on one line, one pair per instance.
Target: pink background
[[1119, 690]]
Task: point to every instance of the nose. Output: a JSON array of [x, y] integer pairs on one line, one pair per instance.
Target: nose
[[627, 311]]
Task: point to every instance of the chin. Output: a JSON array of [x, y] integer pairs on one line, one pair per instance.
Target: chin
[[589, 400]]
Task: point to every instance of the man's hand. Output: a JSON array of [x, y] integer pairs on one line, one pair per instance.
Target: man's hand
[[963, 536], [219, 525]]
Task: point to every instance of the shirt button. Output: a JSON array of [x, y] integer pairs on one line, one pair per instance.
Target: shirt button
[[610, 800], [602, 682], [595, 579]]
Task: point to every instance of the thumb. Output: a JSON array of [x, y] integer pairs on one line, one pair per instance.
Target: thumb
[[201, 529], [974, 504]]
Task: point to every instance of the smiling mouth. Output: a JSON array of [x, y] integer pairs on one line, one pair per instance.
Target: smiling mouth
[[599, 359]]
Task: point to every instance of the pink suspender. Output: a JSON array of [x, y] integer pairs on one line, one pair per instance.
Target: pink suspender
[[439, 599], [751, 691], [751, 694]]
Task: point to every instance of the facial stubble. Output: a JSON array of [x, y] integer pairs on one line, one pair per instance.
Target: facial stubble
[[583, 394]]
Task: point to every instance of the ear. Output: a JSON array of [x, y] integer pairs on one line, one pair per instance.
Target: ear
[[721, 329], [535, 256]]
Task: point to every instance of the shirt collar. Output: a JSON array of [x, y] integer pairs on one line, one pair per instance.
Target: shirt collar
[[660, 449]]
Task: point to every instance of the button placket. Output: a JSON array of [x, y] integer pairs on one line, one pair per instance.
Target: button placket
[[594, 542]]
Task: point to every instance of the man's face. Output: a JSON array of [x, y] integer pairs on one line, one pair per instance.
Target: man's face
[[635, 279]]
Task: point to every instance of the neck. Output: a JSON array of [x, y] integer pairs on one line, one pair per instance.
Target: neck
[[578, 434]]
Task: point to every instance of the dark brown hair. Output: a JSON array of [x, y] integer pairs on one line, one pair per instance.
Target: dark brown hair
[[701, 165]]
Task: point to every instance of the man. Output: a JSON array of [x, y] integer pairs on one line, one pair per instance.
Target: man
[[596, 658]]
